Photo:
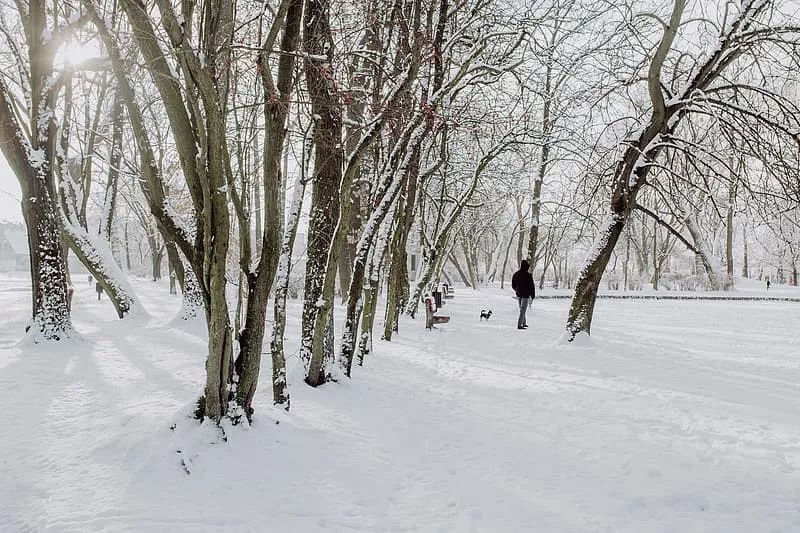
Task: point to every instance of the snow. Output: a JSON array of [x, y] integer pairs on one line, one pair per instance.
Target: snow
[[36, 157], [676, 416], [743, 289]]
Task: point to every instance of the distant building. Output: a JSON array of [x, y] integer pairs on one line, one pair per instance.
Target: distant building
[[13, 248]]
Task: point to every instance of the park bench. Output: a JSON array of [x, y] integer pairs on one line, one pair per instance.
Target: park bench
[[449, 292], [430, 318]]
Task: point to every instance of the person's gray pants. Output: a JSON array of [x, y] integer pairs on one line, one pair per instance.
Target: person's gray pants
[[523, 309]]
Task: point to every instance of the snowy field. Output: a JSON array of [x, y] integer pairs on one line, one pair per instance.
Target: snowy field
[[680, 416]]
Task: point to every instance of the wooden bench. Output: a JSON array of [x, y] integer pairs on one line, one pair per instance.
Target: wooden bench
[[449, 292], [430, 318]]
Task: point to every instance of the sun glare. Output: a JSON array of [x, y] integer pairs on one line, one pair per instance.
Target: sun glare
[[76, 53]]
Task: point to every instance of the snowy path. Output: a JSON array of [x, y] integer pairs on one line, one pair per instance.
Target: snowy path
[[682, 416]]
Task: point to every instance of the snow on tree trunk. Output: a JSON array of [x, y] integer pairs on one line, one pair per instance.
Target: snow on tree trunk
[[260, 281], [582, 307], [328, 159], [110, 195], [280, 393], [397, 280], [51, 316], [32, 163], [387, 191], [371, 291], [96, 255], [192, 296]]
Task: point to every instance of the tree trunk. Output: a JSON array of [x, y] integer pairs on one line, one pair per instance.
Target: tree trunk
[[50, 297], [325, 201], [545, 266], [521, 234], [377, 225], [626, 264], [729, 236], [463, 275], [582, 307], [476, 277], [157, 257], [51, 317], [544, 155], [95, 254], [280, 393], [127, 248], [379, 222], [176, 267], [74, 181], [114, 161], [372, 291], [192, 295], [505, 261], [397, 282], [259, 282], [203, 157], [704, 254], [656, 262], [745, 259]]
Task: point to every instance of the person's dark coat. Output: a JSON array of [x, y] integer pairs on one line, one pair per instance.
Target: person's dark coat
[[522, 282]]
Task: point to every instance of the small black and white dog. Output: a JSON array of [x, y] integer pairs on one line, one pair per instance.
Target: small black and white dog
[[486, 314]]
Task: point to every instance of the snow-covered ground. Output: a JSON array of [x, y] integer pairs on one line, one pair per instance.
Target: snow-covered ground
[[680, 416], [744, 288]]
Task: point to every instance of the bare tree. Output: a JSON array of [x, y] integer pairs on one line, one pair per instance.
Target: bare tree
[[29, 140], [668, 110]]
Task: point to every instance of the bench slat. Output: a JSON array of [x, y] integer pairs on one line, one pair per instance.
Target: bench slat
[[430, 318]]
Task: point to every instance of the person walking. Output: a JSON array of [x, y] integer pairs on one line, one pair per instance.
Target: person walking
[[522, 283]]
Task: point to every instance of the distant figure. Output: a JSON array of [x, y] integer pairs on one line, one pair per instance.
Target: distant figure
[[99, 290], [768, 283], [522, 283], [91, 279]]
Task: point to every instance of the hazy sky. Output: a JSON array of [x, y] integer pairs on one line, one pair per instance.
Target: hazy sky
[[10, 209]]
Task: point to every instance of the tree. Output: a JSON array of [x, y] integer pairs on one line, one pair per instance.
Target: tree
[[30, 148], [671, 104]]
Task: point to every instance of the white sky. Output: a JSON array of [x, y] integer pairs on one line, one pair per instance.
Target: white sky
[[10, 209]]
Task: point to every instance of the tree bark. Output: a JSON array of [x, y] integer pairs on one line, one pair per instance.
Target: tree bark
[[32, 161], [325, 202], [729, 234], [372, 290], [114, 161], [397, 282], [745, 259], [259, 282]]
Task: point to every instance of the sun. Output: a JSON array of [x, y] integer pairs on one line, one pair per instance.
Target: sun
[[76, 52]]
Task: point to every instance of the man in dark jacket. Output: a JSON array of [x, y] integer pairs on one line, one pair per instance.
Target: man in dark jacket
[[522, 283]]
